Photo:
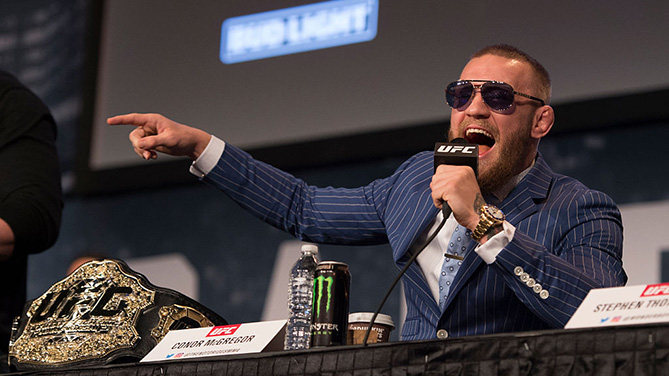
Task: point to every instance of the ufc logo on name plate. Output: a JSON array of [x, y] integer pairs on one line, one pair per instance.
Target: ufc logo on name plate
[[223, 330], [655, 290]]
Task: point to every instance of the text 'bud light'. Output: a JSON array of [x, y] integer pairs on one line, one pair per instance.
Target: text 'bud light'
[[298, 29]]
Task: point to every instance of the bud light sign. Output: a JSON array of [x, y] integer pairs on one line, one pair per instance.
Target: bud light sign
[[298, 29]]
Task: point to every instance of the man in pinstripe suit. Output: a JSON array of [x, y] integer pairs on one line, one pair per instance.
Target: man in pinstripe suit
[[535, 242]]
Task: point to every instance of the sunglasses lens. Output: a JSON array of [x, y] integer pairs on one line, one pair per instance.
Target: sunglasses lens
[[458, 93], [498, 96]]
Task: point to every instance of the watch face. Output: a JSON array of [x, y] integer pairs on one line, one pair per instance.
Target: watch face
[[494, 212]]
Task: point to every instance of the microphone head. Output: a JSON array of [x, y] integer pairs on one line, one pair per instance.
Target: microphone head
[[457, 153]]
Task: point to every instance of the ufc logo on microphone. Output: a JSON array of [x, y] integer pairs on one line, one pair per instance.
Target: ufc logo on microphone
[[223, 330], [456, 149]]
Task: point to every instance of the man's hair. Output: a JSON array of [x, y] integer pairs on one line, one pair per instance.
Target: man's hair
[[510, 52]]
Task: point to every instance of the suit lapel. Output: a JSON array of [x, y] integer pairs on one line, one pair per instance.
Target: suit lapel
[[415, 275], [414, 212], [533, 189], [424, 213]]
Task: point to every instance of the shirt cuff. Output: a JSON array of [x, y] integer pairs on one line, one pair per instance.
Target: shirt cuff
[[209, 158], [488, 251]]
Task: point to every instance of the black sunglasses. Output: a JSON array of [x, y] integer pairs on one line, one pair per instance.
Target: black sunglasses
[[497, 95]]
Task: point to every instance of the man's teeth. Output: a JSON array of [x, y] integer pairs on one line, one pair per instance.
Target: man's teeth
[[479, 131]]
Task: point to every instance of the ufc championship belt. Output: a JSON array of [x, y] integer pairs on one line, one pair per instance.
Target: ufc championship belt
[[102, 313]]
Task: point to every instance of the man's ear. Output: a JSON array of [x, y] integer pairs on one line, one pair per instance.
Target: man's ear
[[543, 121]]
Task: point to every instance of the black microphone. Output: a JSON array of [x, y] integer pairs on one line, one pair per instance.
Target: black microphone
[[456, 153], [459, 153]]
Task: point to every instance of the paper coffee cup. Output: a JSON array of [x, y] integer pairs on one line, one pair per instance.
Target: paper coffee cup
[[359, 322]]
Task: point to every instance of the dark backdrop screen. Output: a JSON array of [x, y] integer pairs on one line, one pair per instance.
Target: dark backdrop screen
[[163, 56]]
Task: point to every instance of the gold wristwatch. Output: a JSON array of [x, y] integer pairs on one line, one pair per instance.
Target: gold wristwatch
[[490, 216]]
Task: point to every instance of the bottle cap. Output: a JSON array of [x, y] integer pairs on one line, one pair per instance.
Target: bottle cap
[[312, 248]]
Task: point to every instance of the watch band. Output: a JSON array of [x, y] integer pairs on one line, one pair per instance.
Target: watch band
[[490, 216]]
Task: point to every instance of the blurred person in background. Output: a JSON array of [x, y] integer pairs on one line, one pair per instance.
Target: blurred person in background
[[30, 194]]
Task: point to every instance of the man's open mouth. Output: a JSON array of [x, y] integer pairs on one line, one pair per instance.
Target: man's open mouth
[[481, 137]]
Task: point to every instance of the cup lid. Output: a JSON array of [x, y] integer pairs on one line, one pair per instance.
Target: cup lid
[[367, 317]]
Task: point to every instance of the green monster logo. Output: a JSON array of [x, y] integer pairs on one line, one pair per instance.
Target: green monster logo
[[318, 292]]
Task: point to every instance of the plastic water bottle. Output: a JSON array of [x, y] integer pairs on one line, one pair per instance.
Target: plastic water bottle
[[300, 296]]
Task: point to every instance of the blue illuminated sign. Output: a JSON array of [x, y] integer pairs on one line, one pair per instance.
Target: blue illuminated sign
[[303, 28]]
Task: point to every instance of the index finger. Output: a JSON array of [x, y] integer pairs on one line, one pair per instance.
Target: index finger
[[129, 119]]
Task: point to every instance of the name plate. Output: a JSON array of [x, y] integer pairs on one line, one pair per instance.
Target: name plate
[[219, 340], [630, 305]]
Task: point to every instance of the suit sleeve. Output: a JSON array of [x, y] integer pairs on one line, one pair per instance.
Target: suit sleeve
[[322, 215], [572, 245]]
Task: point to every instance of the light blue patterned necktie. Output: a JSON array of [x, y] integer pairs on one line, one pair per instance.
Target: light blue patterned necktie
[[456, 246]]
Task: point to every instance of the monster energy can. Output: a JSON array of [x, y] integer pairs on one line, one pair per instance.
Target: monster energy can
[[330, 304]]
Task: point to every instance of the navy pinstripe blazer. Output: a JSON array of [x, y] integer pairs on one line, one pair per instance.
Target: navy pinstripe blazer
[[568, 240]]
